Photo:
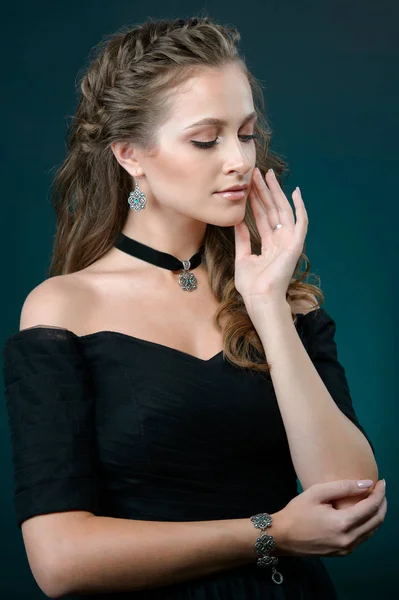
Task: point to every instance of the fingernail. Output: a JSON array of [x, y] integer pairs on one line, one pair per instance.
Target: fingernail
[[385, 483], [364, 483], [297, 187], [271, 171]]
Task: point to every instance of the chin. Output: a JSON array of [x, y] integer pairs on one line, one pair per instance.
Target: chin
[[228, 220]]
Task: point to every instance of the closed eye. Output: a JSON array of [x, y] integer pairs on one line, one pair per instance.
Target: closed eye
[[245, 138]]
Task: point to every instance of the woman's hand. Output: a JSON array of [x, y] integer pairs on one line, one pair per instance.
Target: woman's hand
[[312, 526], [270, 273]]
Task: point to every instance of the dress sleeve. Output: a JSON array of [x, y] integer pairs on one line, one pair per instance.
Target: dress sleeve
[[318, 331], [51, 420]]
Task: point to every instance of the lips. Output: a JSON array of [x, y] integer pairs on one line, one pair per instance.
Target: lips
[[234, 188]]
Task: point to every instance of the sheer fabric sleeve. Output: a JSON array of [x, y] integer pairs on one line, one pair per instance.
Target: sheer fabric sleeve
[[51, 420], [318, 331]]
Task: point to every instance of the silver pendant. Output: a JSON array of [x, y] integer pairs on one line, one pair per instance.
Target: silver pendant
[[188, 281]]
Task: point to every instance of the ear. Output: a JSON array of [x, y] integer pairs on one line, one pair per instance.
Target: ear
[[127, 157]]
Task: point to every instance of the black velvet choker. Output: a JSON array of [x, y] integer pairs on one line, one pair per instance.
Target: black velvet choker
[[188, 281]]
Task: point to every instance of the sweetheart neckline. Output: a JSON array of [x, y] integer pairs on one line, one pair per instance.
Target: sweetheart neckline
[[121, 334], [150, 343], [133, 338]]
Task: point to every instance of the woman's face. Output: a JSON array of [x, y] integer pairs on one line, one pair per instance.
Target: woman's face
[[184, 177]]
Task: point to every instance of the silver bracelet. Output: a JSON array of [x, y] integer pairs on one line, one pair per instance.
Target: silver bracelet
[[265, 544]]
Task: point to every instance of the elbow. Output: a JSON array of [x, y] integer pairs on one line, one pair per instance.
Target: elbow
[[59, 581], [47, 568], [47, 582], [52, 543], [374, 475], [367, 470], [49, 572], [51, 583], [43, 567]]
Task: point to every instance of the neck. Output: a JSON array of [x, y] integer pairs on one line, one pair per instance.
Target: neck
[[180, 237]]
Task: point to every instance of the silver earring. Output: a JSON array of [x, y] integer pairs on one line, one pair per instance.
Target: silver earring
[[137, 198]]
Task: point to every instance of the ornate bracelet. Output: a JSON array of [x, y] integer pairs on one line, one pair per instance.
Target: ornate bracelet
[[265, 544]]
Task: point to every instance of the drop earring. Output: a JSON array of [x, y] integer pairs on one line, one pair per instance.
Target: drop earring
[[137, 198]]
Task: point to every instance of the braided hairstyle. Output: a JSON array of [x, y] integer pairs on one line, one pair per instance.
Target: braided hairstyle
[[125, 95]]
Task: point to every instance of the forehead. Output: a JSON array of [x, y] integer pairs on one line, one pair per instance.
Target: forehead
[[222, 93]]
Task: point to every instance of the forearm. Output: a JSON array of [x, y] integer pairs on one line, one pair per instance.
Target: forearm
[[108, 554], [324, 444]]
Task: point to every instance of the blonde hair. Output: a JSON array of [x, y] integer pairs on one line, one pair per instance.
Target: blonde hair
[[124, 96]]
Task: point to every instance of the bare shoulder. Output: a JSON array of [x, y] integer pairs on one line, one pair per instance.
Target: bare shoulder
[[304, 305], [54, 302]]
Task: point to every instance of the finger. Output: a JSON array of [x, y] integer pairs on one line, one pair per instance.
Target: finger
[[284, 209], [242, 240], [260, 213], [267, 198], [301, 214], [366, 530], [332, 490], [366, 508]]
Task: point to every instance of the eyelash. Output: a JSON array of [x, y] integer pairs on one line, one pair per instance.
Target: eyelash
[[248, 138]]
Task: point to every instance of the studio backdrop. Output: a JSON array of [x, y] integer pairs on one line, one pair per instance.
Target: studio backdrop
[[329, 77]]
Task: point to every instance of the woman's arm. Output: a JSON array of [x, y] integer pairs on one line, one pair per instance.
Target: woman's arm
[[100, 554], [324, 444]]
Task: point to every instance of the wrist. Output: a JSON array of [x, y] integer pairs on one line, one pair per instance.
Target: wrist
[[277, 530], [265, 308]]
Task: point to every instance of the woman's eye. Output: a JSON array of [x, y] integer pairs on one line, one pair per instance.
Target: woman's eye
[[245, 138]]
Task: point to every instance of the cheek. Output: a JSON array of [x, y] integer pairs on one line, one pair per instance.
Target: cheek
[[181, 168], [163, 172]]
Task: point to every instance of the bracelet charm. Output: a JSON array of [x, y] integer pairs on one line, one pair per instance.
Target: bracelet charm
[[266, 544]]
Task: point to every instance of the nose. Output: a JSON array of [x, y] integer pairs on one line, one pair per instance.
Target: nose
[[238, 159]]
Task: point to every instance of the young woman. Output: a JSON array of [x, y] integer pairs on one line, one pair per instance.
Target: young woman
[[174, 375]]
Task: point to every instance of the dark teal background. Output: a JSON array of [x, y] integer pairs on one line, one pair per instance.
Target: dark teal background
[[330, 77]]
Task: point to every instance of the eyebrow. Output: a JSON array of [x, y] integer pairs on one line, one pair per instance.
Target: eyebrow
[[212, 121]]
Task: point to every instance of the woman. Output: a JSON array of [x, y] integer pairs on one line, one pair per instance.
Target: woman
[[153, 428]]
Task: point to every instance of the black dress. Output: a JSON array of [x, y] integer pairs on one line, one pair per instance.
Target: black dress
[[129, 428]]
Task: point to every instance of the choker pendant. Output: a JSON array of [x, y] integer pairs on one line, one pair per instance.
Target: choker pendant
[[188, 281]]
